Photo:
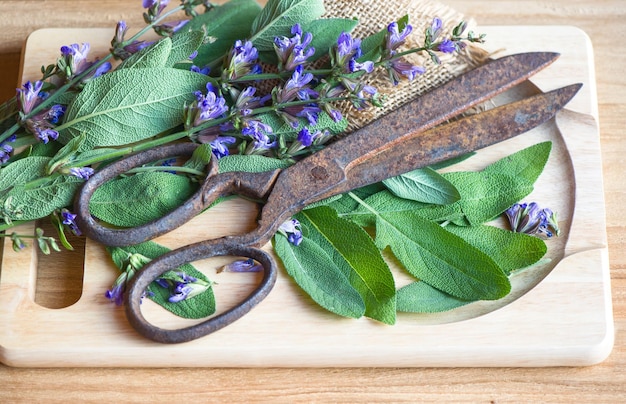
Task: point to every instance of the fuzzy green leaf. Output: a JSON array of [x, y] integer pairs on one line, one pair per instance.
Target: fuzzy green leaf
[[484, 196], [420, 297], [141, 198], [129, 105], [183, 45], [527, 163], [440, 258], [314, 270], [511, 251], [325, 32], [223, 26], [37, 202], [250, 163], [22, 171], [423, 185], [155, 55], [277, 18], [199, 306], [359, 259]]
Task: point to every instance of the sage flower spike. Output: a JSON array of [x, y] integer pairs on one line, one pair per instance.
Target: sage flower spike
[[294, 51], [531, 219]]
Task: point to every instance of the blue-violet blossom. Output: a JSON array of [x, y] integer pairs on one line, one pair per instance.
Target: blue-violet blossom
[[241, 61], [69, 219], [293, 52], [292, 230], [531, 219]]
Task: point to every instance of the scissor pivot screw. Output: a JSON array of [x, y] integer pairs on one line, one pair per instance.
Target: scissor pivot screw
[[319, 173]]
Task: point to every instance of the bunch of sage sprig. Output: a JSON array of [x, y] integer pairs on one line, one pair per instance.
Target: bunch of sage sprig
[[239, 79]]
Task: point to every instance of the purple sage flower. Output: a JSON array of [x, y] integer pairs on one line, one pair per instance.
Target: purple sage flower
[[207, 107], [293, 52], [447, 46], [258, 132], [182, 286], [6, 149], [154, 8], [292, 230], [399, 69], [170, 28], [531, 219], [297, 88], [29, 96], [248, 265], [69, 219], [219, 145], [395, 38], [435, 28], [242, 61], [81, 172]]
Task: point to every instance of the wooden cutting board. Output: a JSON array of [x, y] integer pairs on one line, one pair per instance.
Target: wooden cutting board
[[559, 313]]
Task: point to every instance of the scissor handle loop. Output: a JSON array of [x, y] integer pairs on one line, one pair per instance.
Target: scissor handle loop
[[127, 236], [175, 258]]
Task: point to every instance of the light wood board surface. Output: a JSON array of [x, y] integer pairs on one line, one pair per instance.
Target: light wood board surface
[[603, 20], [573, 327]]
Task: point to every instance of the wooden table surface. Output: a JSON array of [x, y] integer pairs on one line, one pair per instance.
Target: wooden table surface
[[603, 20]]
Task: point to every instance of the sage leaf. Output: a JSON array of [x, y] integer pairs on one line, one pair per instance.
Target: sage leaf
[[440, 258], [423, 185], [277, 18], [223, 25], [199, 306], [52, 193], [420, 297], [250, 163], [139, 199], [484, 196], [316, 273], [65, 154], [184, 44], [155, 55], [527, 163], [352, 249], [129, 105], [22, 171], [511, 251], [325, 32]]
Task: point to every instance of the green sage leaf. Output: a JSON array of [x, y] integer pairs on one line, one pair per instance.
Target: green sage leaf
[[314, 270], [155, 55], [22, 171], [440, 258], [138, 199], [223, 25], [183, 45], [511, 251], [325, 32], [199, 306], [423, 185], [359, 259], [527, 163], [484, 196], [129, 105], [420, 297], [52, 193], [277, 18], [250, 163]]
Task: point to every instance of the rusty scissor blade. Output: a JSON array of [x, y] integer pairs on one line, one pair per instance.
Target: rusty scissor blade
[[460, 137], [319, 175]]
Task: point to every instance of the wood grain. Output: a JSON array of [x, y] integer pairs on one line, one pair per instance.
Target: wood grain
[[602, 20]]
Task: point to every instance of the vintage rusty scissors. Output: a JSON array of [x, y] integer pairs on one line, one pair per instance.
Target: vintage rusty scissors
[[404, 140]]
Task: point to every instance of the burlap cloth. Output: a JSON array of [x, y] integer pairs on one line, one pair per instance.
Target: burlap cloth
[[375, 15]]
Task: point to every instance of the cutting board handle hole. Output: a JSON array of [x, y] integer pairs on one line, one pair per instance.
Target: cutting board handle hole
[[59, 281]]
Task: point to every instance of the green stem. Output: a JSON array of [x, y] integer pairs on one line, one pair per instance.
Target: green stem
[[61, 90], [180, 169]]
